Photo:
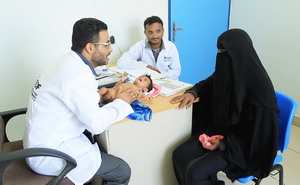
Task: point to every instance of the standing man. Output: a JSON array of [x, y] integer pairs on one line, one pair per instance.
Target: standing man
[[155, 52], [64, 103]]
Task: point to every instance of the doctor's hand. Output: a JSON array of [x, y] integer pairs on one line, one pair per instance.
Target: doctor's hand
[[102, 91], [128, 95], [185, 100], [153, 68]]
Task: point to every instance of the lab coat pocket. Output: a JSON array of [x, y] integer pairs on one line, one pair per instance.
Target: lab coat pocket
[[77, 146]]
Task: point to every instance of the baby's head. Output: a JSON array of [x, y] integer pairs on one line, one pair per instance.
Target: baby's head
[[144, 82]]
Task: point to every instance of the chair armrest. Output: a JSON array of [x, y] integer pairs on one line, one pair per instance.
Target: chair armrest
[[7, 115], [4, 119], [7, 158]]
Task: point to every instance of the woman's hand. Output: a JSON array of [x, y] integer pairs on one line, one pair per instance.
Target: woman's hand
[[214, 144], [185, 100]]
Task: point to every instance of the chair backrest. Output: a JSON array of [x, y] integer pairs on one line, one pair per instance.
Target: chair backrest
[[287, 107]]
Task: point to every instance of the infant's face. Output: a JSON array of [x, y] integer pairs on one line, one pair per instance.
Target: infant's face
[[142, 82]]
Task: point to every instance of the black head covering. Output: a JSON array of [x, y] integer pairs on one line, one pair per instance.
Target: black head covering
[[238, 101], [244, 103], [239, 74]]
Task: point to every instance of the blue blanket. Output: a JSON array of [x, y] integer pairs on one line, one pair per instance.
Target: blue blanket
[[141, 112]]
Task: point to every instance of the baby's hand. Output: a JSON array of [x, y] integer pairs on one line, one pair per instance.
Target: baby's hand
[[145, 98], [149, 98], [124, 77]]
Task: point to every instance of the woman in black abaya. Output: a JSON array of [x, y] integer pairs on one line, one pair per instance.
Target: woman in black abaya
[[238, 102]]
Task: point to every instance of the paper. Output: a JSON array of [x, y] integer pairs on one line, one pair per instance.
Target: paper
[[138, 72], [170, 87], [107, 81]]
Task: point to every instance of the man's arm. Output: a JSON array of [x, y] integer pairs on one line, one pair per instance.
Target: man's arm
[[132, 58], [81, 97]]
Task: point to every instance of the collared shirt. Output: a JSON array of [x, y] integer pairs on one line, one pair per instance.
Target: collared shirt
[[155, 52], [140, 55], [147, 44], [87, 63]]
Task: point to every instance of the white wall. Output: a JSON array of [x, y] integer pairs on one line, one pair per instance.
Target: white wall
[[34, 33], [274, 27]]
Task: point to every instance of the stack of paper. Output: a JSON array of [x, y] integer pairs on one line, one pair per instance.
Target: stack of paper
[[170, 87], [107, 81]]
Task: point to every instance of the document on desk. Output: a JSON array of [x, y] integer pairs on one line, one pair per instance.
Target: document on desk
[[107, 79], [170, 87], [138, 72]]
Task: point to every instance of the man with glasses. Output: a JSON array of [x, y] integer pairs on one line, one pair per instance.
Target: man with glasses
[[64, 103], [155, 52]]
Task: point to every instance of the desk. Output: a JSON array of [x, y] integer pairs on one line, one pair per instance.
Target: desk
[[147, 146]]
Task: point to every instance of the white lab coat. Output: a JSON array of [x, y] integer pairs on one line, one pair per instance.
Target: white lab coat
[[63, 103], [139, 56]]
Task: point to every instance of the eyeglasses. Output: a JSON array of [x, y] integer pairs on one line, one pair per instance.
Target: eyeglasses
[[106, 44]]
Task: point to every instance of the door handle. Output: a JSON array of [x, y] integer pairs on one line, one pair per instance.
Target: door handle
[[174, 31]]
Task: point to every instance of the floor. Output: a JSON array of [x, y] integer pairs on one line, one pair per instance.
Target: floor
[[291, 164]]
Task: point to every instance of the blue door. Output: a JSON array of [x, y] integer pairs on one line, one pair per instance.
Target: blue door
[[194, 26]]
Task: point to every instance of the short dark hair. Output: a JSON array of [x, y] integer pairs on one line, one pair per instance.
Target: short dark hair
[[151, 20], [150, 86], [85, 31]]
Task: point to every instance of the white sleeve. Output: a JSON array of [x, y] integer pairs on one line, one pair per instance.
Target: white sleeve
[[132, 58], [82, 98]]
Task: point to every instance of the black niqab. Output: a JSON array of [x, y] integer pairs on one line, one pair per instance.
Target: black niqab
[[239, 74], [238, 101]]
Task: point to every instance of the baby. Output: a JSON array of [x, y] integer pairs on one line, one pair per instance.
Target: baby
[[142, 84]]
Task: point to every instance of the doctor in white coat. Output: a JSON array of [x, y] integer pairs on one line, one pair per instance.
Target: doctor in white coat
[[64, 103], [154, 52]]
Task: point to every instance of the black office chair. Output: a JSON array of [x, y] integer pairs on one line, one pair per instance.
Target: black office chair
[[13, 167]]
